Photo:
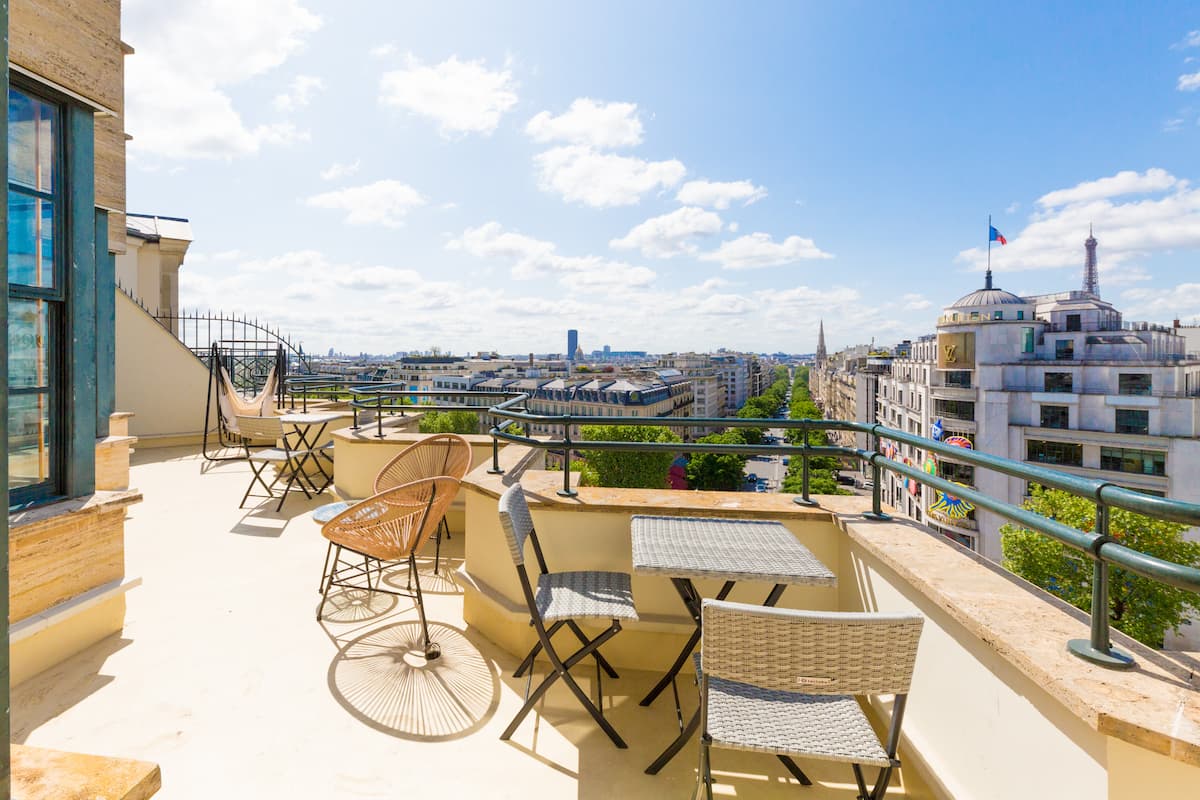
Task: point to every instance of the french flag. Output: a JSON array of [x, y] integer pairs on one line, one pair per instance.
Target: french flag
[[995, 236]]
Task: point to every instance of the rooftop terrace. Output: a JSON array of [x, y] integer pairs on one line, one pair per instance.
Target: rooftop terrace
[[224, 678]]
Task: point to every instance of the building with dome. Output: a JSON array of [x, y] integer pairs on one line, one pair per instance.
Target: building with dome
[[1058, 379]]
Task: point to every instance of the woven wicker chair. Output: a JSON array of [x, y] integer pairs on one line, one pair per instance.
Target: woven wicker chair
[[440, 454], [782, 681], [560, 599], [389, 527], [288, 462]]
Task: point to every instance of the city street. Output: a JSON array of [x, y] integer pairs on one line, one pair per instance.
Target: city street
[[769, 467]]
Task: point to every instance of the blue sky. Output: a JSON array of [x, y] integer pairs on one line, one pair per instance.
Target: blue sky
[[666, 176]]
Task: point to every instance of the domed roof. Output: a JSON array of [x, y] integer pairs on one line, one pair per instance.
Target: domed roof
[[989, 297]]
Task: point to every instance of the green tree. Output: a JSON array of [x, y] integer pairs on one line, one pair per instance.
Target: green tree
[[1140, 607], [624, 469], [724, 472], [449, 422]]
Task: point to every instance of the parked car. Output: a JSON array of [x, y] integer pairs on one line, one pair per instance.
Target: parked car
[[845, 480], [762, 487], [787, 460]]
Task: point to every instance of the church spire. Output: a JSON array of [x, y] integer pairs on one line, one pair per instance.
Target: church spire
[[821, 342], [1091, 275]]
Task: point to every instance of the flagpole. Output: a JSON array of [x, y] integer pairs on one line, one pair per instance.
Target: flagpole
[[988, 279]]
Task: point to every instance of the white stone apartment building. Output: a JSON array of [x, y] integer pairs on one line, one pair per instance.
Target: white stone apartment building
[[1055, 379]]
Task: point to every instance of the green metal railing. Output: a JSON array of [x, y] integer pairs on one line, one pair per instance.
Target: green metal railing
[[1098, 545], [382, 399]]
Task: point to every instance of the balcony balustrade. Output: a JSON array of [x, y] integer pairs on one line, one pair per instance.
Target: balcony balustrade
[[994, 685]]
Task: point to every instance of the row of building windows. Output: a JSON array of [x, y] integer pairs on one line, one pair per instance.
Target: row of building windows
[[1125, 420], [1128, 383], [1115, 459]]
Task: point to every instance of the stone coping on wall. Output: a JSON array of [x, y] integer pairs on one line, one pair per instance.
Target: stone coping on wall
[[41, 774], [542, 486], [366, 434], [94, 503], [1155, 706]]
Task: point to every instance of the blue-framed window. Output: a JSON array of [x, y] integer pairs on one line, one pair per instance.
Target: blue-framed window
[[36, 297]]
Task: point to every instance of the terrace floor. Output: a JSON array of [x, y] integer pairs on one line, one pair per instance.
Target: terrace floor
[[224, 677]]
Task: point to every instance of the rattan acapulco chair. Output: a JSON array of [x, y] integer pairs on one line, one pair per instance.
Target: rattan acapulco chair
[[388, 527], [440, 454], [782, 681], [560, 599]]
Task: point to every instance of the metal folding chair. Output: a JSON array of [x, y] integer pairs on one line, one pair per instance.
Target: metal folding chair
[[288, 462], [560, 599], [388, 527], [782, 681]]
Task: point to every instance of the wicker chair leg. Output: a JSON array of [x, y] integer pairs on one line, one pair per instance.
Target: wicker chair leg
[[704, 773], [325, 569], [862, 784], [797, 773], [329, 581], [885, 777], [437, 552], [601, 661], [432, 649], [537, 648]]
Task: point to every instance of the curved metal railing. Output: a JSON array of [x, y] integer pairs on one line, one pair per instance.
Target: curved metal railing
[[1097, 544]]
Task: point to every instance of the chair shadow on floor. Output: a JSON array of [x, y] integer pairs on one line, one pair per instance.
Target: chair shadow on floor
[[382, 678]]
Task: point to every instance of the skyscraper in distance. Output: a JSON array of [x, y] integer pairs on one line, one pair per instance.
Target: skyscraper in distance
[[572, 343]]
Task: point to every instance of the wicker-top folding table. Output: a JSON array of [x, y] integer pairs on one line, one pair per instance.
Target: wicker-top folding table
[[730, 550]]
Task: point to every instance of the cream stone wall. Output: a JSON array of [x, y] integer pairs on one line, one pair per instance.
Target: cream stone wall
[[158, 379]]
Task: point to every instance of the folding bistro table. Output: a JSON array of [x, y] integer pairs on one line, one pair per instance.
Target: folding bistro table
[[308, 429], [731, 550]]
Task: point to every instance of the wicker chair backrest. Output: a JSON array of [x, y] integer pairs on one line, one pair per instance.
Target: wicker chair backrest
[[808, 651], [440, 454], [260, 427], [395, 522], [516, 521]]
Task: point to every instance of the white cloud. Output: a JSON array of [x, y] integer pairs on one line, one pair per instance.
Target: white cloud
[[1172, 125], [1124, 182], [186, 57], [461, 96], [339, 170], [756, 250], [1177, 302], [382, 50], [1128, 228], [1189, 82], [1013, 208], [299, 93], [531, 258], [670, 234], [719, 195], [372, 279], [589, 122], [914, 302], [384, 202], [1192, 39], [603, 180]]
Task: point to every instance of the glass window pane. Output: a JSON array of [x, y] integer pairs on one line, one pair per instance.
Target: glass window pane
[[31, 132], [28, 439], [28, 347], [30, 240]]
